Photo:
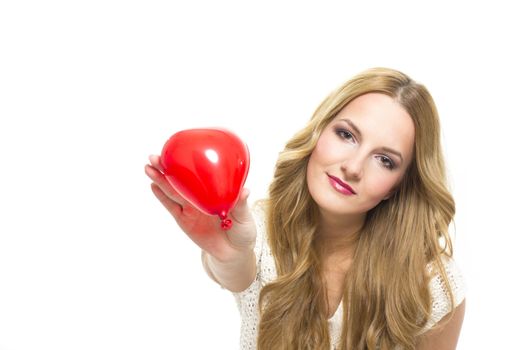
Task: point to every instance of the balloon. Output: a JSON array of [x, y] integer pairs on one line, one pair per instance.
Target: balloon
[[208, 168]]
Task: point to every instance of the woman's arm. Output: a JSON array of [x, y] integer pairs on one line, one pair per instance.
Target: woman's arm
[[446, 336], [235, 275], [228, 256]]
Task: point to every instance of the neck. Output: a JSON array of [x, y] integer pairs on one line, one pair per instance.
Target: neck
[[338, 235]]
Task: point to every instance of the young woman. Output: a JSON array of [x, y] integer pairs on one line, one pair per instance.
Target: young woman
[[351, 250]]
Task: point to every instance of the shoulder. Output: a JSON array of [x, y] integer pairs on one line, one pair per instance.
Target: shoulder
[[442, 304], [445, 334]]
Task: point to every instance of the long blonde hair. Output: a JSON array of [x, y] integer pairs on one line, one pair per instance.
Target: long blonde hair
[[386, 299]]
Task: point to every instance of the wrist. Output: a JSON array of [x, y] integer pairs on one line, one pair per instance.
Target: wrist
[[233, 258]]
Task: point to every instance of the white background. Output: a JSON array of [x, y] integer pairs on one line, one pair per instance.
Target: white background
[[88, 89]]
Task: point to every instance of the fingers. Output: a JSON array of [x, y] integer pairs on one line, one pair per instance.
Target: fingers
[[155, 162], [160, 180], [173, 207]]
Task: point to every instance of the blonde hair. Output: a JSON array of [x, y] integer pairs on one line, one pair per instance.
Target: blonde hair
[[386, 299]]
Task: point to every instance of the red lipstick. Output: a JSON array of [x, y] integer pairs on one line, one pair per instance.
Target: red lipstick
[[341, 186]]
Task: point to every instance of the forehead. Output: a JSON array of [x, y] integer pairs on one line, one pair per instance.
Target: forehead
[[381, 120]]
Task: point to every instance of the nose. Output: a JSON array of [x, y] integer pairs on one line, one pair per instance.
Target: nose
[[352, 167]]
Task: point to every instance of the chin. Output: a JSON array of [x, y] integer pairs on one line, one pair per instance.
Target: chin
[[336, 205]]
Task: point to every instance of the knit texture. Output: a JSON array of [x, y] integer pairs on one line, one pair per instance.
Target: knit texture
[[248, 300]]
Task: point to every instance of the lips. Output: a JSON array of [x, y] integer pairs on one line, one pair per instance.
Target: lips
[[341, 186]]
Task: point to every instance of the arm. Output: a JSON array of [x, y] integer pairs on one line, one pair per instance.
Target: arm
[[228, 256], [235, 275], [445, 337]]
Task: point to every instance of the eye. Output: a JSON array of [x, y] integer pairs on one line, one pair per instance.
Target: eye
[[345, 134], [386, 162]]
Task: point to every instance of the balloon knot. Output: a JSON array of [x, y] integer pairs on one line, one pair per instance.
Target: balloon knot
[[226, 224]]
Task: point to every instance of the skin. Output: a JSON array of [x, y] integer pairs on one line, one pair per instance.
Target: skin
[[445, 338], [227, 256], [357, 158], [357, 147], [351, 148], [355, 154]]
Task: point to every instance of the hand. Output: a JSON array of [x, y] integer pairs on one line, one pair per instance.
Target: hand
[[203, 229]]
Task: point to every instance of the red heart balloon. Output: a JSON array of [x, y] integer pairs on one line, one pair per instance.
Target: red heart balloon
[[208, 167]]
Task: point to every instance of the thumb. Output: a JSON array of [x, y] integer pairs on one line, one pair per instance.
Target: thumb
[[241, 211]]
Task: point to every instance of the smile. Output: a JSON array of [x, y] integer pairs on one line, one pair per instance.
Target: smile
[[340, 186]]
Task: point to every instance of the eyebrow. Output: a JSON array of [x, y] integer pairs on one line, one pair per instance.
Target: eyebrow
[[358, 132]]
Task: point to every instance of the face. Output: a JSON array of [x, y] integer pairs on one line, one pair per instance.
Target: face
[[361, 156]]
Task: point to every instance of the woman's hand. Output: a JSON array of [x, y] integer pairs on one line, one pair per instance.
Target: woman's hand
[[203, 229]]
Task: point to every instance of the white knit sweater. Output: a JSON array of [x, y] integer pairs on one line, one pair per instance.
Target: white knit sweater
[[248, 300]]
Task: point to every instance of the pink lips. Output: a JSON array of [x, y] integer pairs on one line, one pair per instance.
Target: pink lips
[[340, 186]]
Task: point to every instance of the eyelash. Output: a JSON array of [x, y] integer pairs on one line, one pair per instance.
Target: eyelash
[[344, 134], [385, 161], [390, 165]]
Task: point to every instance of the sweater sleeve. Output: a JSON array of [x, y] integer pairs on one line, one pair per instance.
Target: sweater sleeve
[[441, 303]]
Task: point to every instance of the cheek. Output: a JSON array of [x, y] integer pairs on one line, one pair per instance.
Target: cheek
[[380, 186], [324, 152]]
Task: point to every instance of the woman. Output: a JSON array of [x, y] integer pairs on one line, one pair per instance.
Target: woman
[[351, 249]]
